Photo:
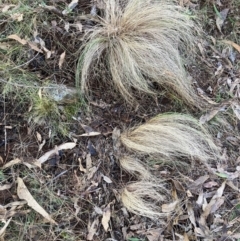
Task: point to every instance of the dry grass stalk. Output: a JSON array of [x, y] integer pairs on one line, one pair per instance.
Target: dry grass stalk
[[135, 167], [138, 42], [142, 198], [172, 136]]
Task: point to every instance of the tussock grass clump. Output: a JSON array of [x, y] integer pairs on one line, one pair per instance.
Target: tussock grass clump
[[135, 167], [172, 136], [138, 43], [143, 198]]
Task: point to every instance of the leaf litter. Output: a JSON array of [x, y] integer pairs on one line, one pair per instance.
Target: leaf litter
[[201, 210]]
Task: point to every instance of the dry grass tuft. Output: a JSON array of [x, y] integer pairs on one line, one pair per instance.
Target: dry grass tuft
[[135, 167], [142, 198], [138, 43], [172, 136]]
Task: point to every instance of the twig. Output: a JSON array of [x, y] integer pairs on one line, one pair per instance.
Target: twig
[[5, 130]]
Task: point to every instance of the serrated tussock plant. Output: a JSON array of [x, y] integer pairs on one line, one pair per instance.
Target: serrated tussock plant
[[138, 43], [135, 167], [171, 137], [144, 198]]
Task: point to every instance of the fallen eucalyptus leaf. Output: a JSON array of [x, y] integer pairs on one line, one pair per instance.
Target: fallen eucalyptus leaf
[[47, 155], [24, 194], [3, 229], [17, 38], [61, 60], [167, 208], [106, 217], [92, 229]]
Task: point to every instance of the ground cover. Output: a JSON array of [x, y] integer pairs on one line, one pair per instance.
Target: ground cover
[[77, 188]]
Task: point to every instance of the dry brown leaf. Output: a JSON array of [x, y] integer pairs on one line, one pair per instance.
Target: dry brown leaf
[[24, 194], [41, 145], [15, 204], [61, 60], [219, 202], [236, 46], [154, 234], [17, 38], [88, 162], [137, 227], [39, 137], [48, 53], [185, 237], [4, 46], [189, 194], [208, 116], [3, 229], [40, 41], [6, 186], [107, 179], [6, 213], [236, 109], [29, 164], [33, 46], [93, 133], [230, 184], [200, 199], [178, 186], [89, 131], [47, 155], [11, 163], [81, 168], [205, 97], [180, 237], [167, 208], [32, 164], [106, 217], [174, 194], [199, 232], [198, 182], [91, 172], [210, 184], [207, 208], [191, 214], [86, 128], [234, 84], [92, 229]]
